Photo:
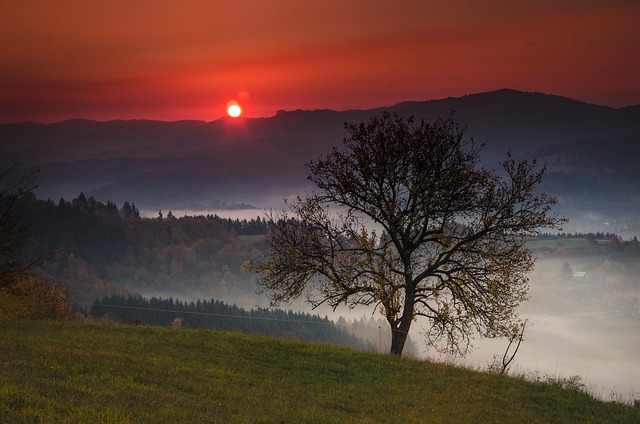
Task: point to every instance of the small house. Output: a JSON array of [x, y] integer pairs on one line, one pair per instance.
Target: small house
[[579, 275]]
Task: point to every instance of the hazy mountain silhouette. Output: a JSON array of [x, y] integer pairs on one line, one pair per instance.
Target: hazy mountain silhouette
[[590, 150]]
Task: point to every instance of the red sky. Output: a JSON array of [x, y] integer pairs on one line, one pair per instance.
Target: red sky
[[172, 60]]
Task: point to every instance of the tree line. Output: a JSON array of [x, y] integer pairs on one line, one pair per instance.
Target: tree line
[[215, 314], [592, 237], [95, 249]]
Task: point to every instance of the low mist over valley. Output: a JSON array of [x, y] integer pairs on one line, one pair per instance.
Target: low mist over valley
[[195, 195], [583, 315]]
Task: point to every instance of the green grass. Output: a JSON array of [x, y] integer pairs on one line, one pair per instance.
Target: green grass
[[89, 372]]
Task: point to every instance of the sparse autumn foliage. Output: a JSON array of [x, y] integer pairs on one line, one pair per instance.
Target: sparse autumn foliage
[[450, 242], [31, 297]]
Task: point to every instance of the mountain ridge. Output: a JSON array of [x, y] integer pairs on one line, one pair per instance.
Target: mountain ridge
[[191, 164]]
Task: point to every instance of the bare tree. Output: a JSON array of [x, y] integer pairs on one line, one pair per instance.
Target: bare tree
[[15, 187], [450, 245], [501, 363]]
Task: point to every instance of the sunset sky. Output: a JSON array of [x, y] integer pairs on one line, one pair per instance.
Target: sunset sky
[[173, 60]]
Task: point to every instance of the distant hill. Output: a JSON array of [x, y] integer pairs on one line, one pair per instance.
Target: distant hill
[[203, 165]]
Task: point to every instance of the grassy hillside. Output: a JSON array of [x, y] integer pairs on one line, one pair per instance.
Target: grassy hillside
[[88, 372]]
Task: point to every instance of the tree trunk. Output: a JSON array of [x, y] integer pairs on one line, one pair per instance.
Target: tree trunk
[[400, 331], [400, 328], [398, 337]]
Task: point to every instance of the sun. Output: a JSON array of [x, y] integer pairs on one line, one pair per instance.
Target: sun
[[233, 109]]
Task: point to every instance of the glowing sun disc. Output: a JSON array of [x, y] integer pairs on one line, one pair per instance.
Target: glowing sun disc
[[234, 110]]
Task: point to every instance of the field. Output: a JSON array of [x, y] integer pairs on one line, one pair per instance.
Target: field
[[91, 372], [552, 243]]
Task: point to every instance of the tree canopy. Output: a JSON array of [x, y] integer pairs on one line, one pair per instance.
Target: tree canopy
[[404, 218]]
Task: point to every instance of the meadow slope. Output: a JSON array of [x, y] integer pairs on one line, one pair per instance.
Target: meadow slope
[[93, 372]]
